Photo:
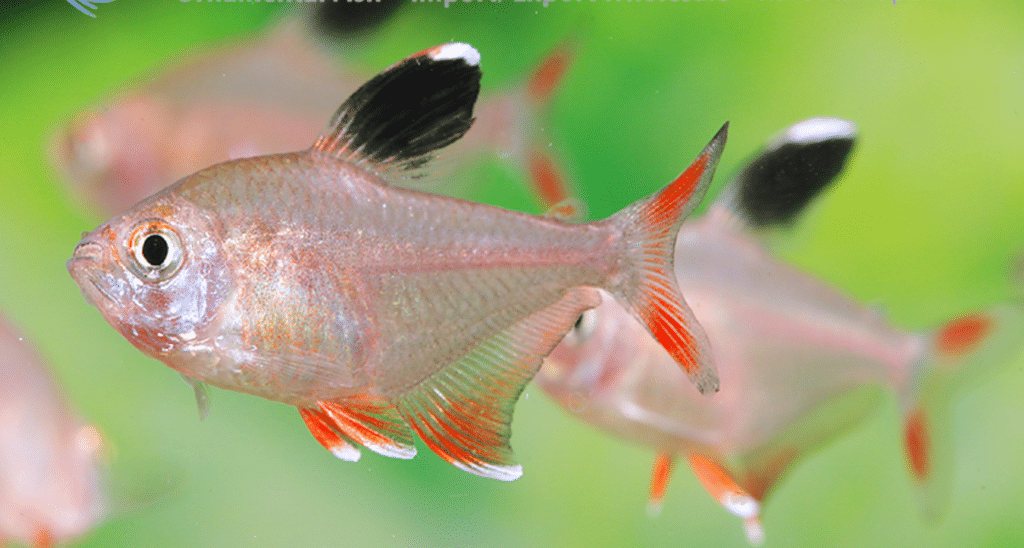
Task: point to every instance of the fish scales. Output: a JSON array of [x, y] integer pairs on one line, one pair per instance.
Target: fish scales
[[300, 269], [379, 312]]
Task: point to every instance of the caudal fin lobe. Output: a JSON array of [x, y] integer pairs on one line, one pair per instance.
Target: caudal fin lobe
[[963, 350], [648, 287]]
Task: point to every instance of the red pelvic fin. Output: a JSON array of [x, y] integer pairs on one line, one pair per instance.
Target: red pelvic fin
[[659, 483], [546, 78], [917, 442], [320, 426], [376, 426], [720, 485]]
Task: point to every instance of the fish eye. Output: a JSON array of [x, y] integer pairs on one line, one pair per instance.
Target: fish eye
[[585, 325], [155, 251]]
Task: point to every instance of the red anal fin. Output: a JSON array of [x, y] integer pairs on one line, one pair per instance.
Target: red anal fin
[[720, 485], [659, 483], [464, 411], [320, 426], [376, 426]]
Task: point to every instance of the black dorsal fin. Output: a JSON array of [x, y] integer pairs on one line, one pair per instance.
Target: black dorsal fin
[[400, 117], [793, 169]]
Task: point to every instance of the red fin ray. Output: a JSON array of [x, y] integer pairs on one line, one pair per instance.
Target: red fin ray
[[649, 290], [376, 426], [724, 489], [527, 136], [963, 351], [917, 442], [545, 79], [464, 412], [659, 483], [320, 426]]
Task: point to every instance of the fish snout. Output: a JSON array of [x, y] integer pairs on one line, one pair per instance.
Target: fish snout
[[87, 250], [85, 265]]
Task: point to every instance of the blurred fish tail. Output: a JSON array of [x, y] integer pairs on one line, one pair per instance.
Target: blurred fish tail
[[963, 350], [649, 289], [519, 128]]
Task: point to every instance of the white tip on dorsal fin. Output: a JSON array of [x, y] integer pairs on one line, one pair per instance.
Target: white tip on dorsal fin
[[795, 167], [816, 130], [455, 50]]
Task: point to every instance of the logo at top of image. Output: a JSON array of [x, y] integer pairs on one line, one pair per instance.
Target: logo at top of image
[[85, 5]]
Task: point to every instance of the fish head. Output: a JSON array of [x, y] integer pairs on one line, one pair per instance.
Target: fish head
[[157, 274], [593, 355], [112, 157]]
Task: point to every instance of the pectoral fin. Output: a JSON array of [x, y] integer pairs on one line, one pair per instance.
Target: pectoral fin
[[202, 396]]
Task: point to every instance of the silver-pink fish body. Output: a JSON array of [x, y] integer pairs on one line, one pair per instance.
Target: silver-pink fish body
[[788, 349], [379, 311], [51, 485], [259, 96], [298, 254]]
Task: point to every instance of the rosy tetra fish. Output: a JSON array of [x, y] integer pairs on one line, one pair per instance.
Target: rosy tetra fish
[[378, 311], [51, 485], [799, 361], [267, 94]]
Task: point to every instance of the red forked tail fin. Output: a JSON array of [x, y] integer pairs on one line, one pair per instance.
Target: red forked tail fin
[[963, 350], [647, 286]]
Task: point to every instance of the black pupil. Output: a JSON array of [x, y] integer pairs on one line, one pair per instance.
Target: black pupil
[[579, 323], [154, 249]]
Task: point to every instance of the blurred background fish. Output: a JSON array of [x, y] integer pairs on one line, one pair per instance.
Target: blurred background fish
[[923, 224], [800, 362], [52, 488], [269, 94]]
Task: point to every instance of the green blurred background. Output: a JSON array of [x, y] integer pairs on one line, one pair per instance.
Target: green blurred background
[[926, 223]]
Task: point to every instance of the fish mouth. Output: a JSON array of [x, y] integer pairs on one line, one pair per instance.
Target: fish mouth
[[83, 266], [87, 252]]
